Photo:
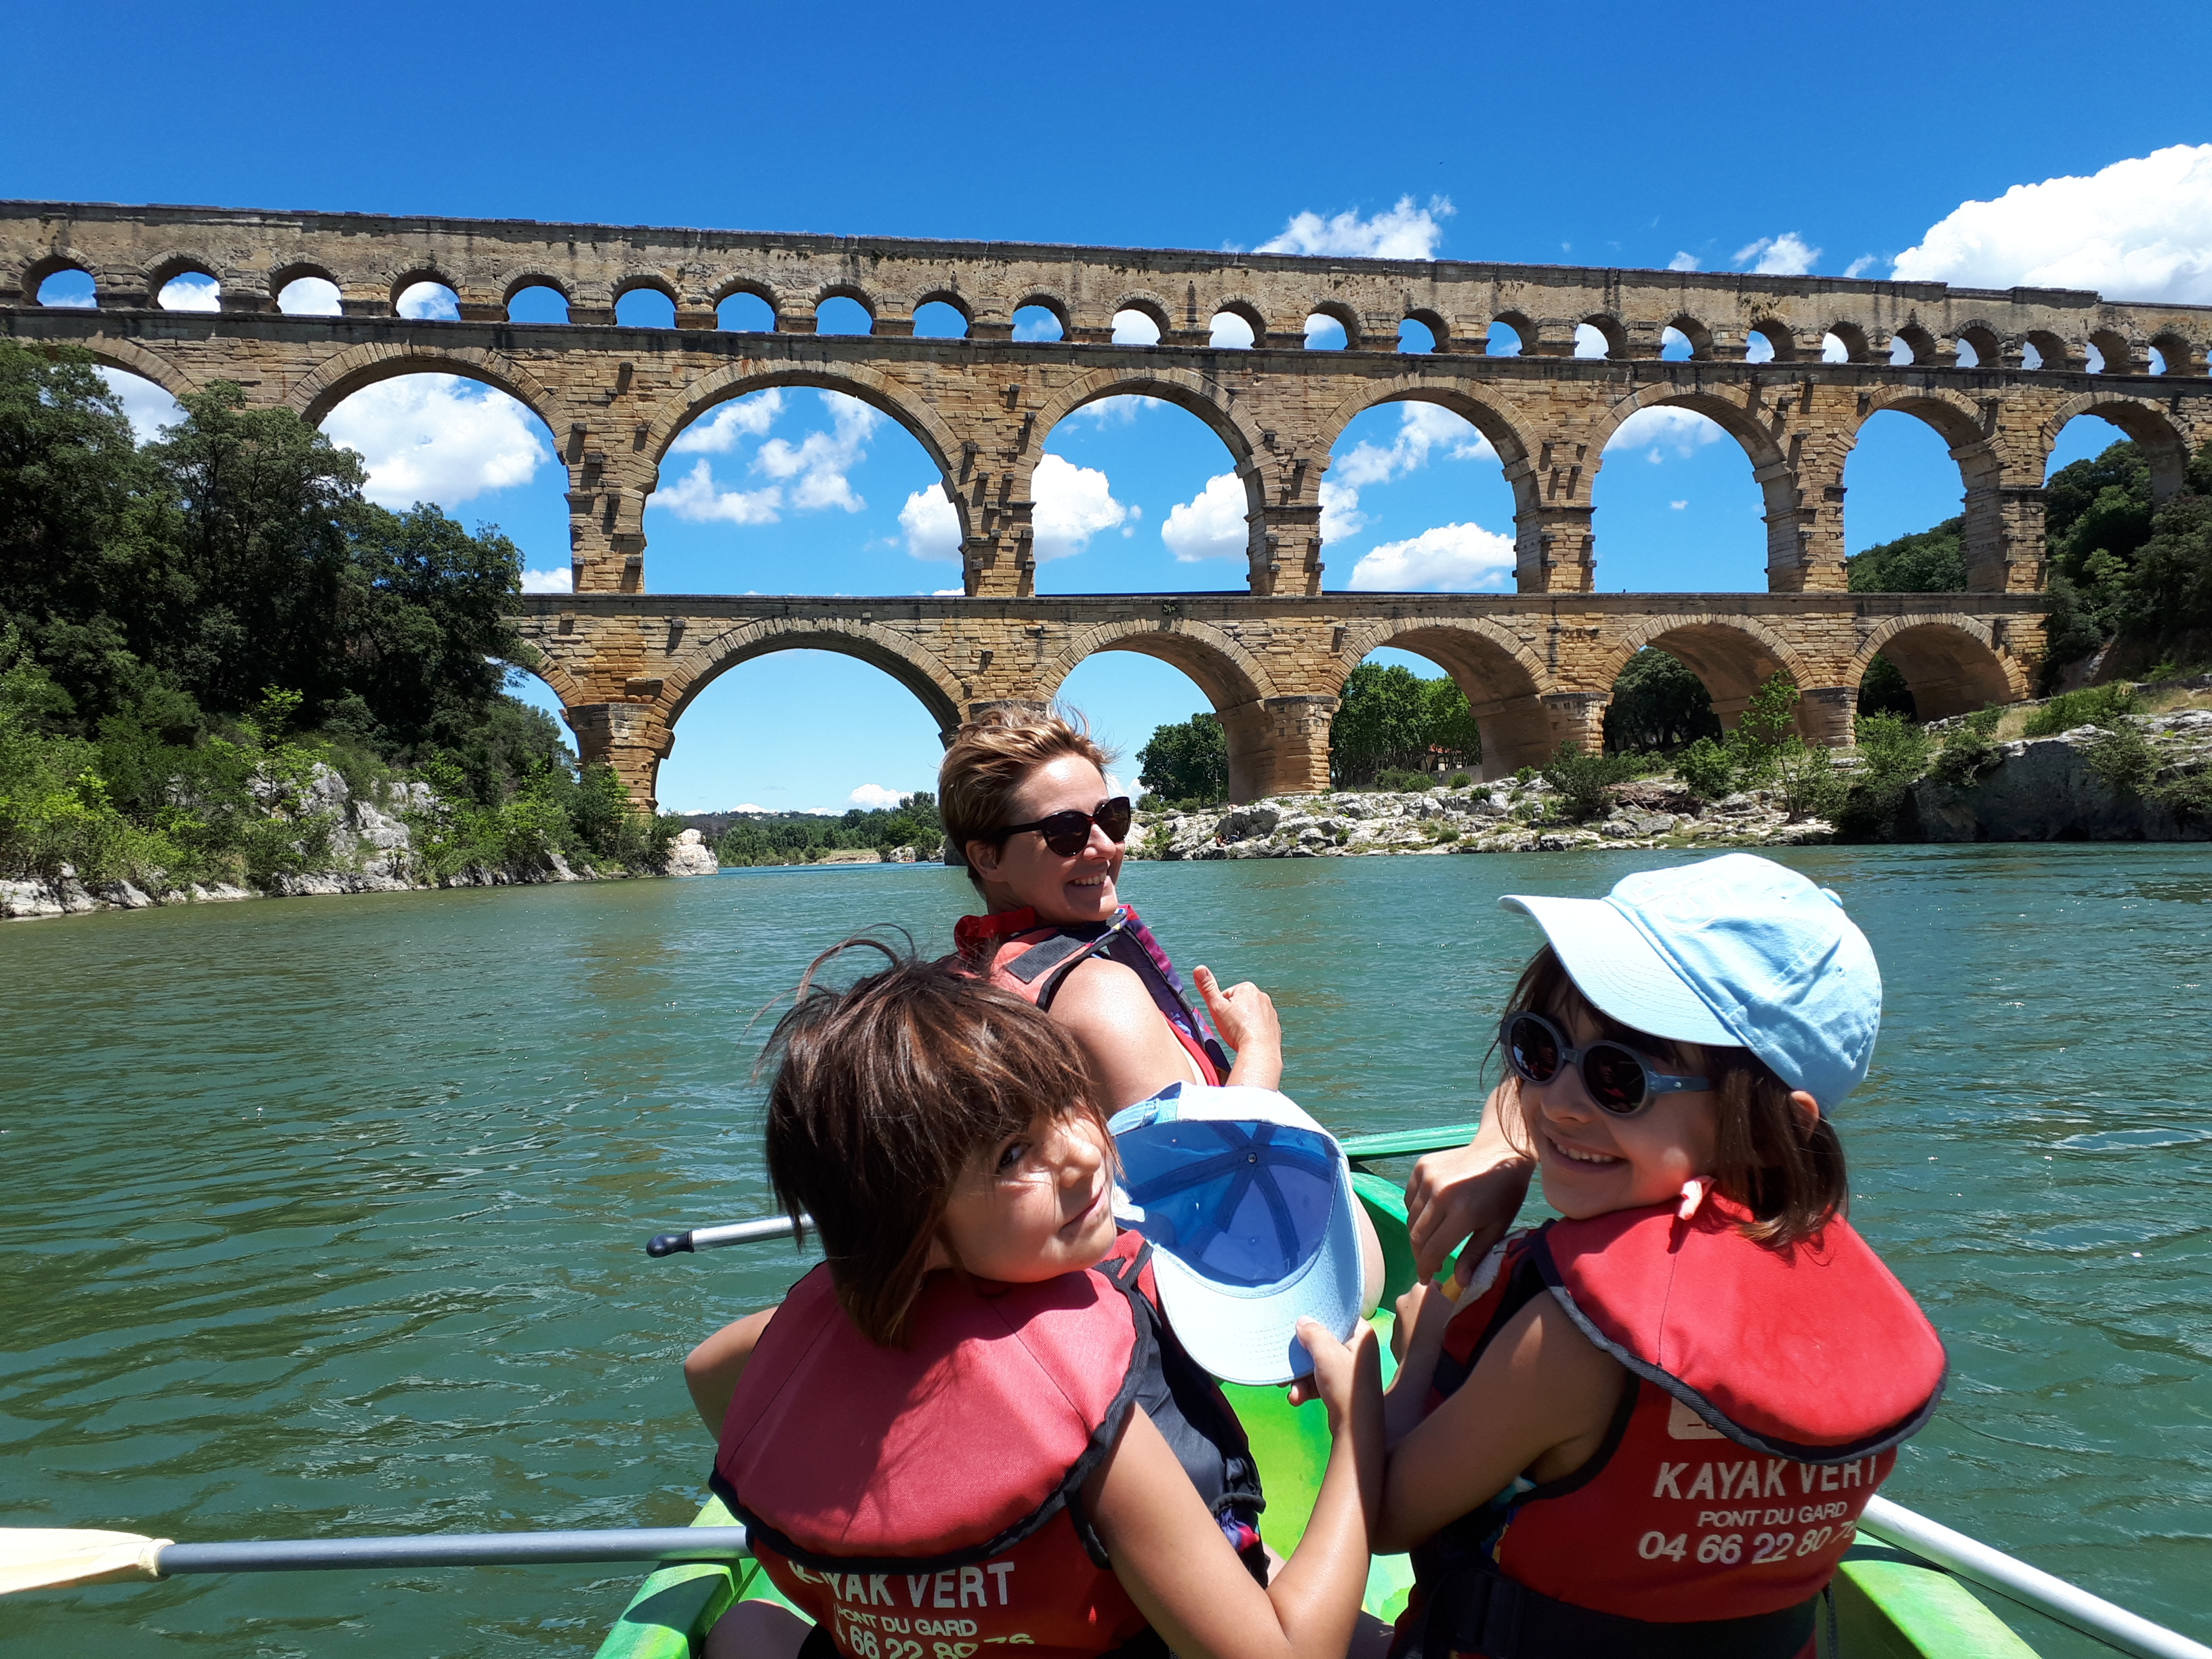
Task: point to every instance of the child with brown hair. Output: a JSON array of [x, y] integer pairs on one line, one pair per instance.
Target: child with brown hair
[[969, 1426], [1647, 1429]]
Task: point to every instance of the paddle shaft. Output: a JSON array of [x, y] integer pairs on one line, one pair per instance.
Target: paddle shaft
[[2029, 1586], [466, 1549], [1410, 1143]]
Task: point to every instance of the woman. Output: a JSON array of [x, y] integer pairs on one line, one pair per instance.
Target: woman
[[1025, 802]]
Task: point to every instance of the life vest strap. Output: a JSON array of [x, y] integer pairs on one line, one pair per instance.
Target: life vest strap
[[1039, 960], [1475, 1609]]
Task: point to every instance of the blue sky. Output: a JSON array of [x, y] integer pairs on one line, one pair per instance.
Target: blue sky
[[1735, 135]]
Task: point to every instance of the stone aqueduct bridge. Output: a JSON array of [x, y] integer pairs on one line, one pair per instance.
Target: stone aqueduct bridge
[[1537, 664]]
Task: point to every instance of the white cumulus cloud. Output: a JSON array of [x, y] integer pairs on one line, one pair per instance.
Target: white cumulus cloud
[[426, 302], [145, 405], [1073, 504], [1786, 255], [2139, 229], [740, 418], [1340, 516], [1665, 430], [874, 797], [818, 463], [1860, 266], [190, 292], [437, 438], [931, 527], [1210, 526], [1422, 428], [1683, 261], [696, 499], [547, 581], [1403, 231], [1134, 328], [309, 296], [1451, 558]]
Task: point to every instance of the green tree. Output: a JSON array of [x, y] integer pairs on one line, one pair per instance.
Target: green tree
[[1657, 704], [1186, 762], [1932, 561], [1391, 720]]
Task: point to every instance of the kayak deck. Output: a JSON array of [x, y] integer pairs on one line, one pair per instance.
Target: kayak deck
[[1888, 1604]]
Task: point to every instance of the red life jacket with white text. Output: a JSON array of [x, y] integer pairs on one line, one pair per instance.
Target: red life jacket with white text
[[925, 1503], [1017, 952], [1765, 1395]]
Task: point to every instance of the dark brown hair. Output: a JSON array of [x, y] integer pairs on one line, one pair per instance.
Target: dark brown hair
[[1789, 1175], [989, 759], [883, 1091]]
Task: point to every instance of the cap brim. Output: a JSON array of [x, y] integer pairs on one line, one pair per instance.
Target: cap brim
[[1620, 971], [1251, 1335]]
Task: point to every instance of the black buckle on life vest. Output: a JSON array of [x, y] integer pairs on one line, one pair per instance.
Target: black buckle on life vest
[[1470, 1607]]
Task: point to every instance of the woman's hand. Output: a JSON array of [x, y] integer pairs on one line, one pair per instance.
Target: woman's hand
[[1341, 1372], [1244, 1015], [1468, 1195]]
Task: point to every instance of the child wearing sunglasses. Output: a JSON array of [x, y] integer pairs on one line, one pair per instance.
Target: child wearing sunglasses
[[970, 1428], [1023, 796], [1648, 1428]]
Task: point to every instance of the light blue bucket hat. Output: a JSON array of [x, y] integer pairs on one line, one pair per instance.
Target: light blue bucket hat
[[1736, 950]]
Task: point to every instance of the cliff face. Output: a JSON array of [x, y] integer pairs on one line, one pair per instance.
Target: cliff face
[[2045, 789], [370, 849]]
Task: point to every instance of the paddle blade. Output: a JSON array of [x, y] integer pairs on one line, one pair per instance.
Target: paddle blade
[[34, 1557]]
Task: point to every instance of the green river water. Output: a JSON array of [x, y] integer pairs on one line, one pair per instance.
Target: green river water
[[327, 1216]]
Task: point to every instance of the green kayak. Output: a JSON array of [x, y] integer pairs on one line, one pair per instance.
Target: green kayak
[[1887, 1603]]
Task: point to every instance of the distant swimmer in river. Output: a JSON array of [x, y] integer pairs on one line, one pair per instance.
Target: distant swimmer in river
[[1650, 1427], [1024, 801]]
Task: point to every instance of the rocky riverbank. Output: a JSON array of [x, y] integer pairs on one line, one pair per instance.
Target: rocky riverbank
[[2068, 786], [367, 847], [1507, 816]]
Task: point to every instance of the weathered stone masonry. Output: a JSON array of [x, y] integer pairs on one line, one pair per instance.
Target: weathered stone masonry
[[1538, 665]]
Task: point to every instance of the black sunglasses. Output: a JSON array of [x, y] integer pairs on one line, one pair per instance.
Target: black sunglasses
[[1618, 1078], [1068, 833]]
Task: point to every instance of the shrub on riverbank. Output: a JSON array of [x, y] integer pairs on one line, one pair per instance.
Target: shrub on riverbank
[[193, 625]]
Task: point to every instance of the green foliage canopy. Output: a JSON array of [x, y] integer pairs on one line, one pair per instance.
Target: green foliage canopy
[[1658, 703], [1391, 720], [1188, 761]]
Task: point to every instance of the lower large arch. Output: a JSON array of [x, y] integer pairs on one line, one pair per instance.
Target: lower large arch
[[697, 666], [1269, 737], [1503, 680], [338, 379], [1952, 665], [1734, 656]]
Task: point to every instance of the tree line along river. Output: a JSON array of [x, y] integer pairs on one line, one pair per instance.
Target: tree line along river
[[327, 1216]]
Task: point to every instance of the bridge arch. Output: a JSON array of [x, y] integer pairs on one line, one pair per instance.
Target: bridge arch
[[1235, 681], [135, 359], [1488, 413], [1952, 665], [2141, 419], [1503, 679], [878, 390], [1732, 655], [691, 668], [334, 381], [1186, 389]]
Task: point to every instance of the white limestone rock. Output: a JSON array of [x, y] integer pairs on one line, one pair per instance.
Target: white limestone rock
[[691, 856]]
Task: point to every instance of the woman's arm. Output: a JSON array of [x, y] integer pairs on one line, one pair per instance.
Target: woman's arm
[[1539, 1402], [1170, 1555], [1245, 1016], [1132, 1054], [1469, 1195], [711, 1371]]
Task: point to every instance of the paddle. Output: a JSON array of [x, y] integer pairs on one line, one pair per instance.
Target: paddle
[[34, 1558], [1404, 1143]]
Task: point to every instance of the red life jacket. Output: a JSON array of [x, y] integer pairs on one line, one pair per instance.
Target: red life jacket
[[924, 1503], [1766, 1394], [1017, 952]]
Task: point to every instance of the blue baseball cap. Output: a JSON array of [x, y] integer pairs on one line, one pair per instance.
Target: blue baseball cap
[[1248, 1206], [1736, 950]]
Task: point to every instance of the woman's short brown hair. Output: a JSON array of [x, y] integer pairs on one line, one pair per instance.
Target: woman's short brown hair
[[1789, 1175], [882, 1093], [989, 759]]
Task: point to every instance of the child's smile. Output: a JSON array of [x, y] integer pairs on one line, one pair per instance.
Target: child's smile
[[1593, 1161]]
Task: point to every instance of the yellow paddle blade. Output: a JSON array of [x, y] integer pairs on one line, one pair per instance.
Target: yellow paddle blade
[[32, 1558]]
